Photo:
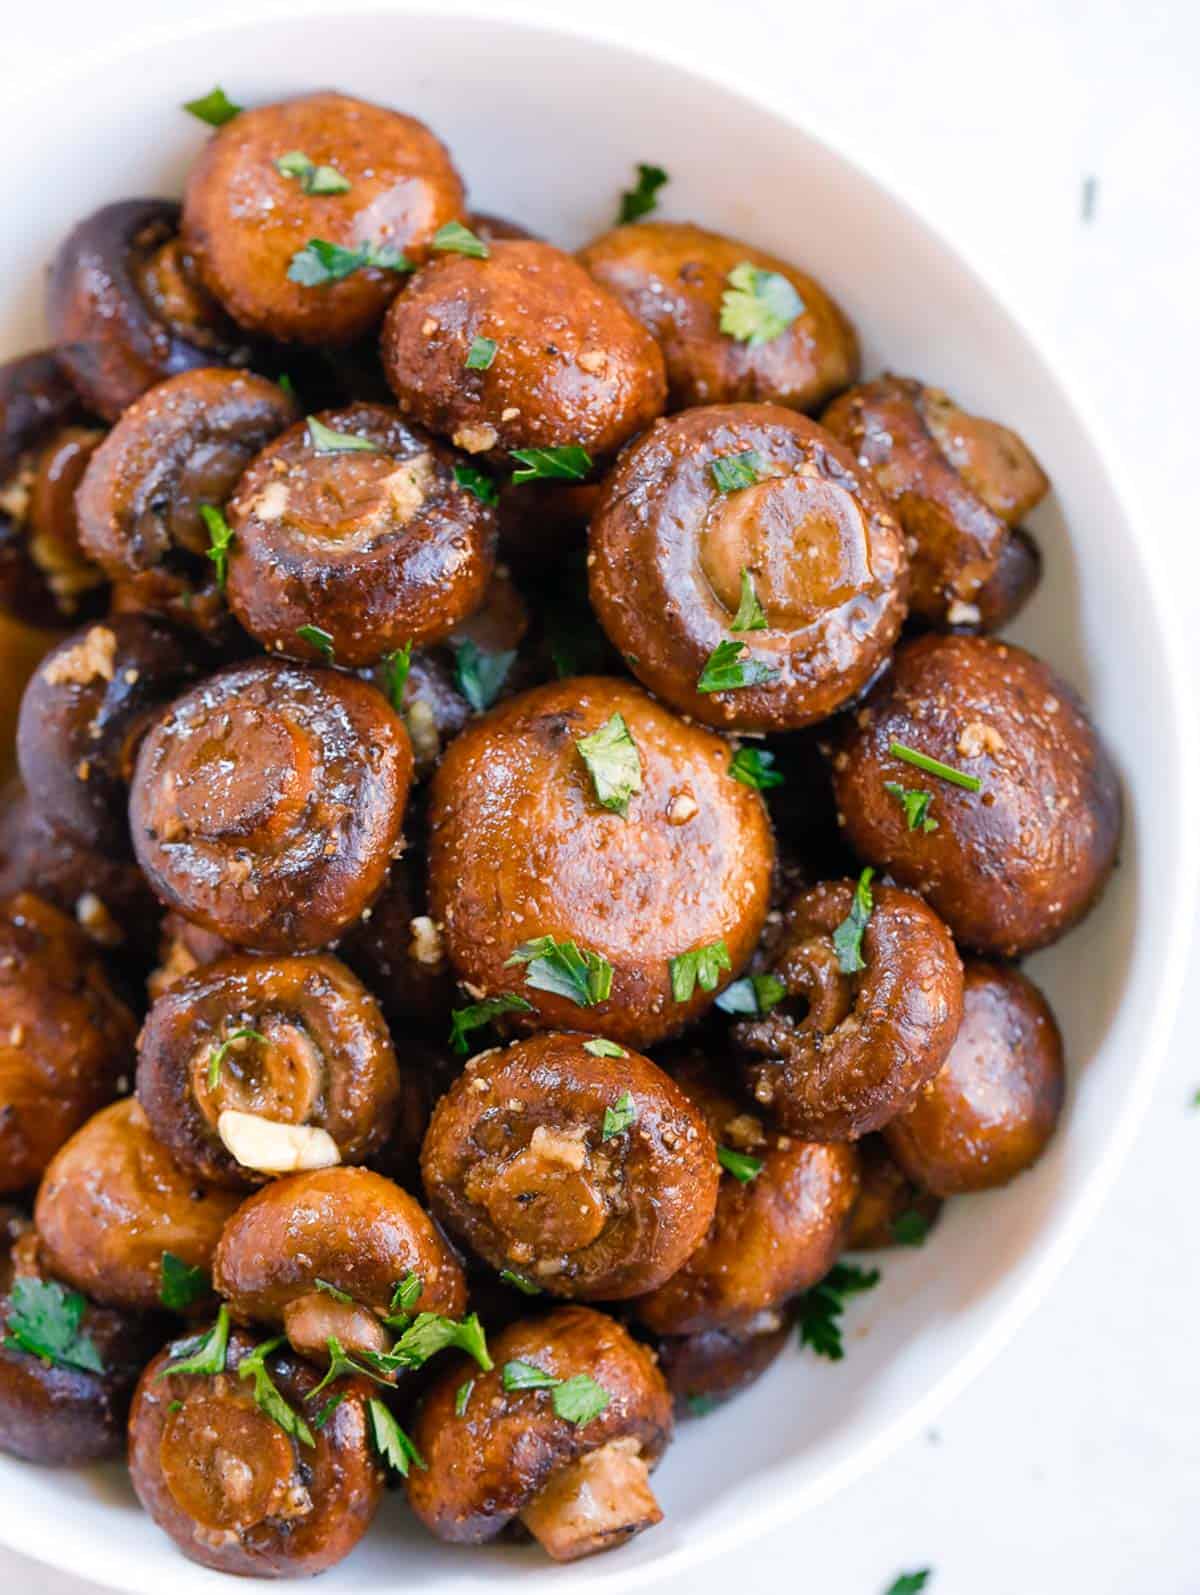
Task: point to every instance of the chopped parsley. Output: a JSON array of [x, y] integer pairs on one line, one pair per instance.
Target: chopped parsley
[[741, 1165], [752, 767], [266, 1393], [334, 1291], [819, 1310], [699, 1406], [702, 965], [220, 535], [946, 772], [203, 1354], [328, 1410], [733, 471], [430, 1333], [45, 1320], [750, 613], [393, 1445], [396, 666], [317, 637], [576, 1400], [321, 262], [611, 756], [406, 1294], [341, 1362], [911, 1583], [461, 1397], [477, 1014], [455, 239], [481, 354], [286, 385], [215, 108], [915, 803], [910, 1228], [313, 179], [847, 938], [481, 676], [730, 666], [753, 994], [642, 198], [519, 1282], [619, 1117], [758, 306], [569, 463], [565, 970], [180, 1285], [217, 1056], [326, 441], [602, 1047], [477, 482]]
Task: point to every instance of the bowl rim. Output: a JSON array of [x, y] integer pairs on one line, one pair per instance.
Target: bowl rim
[[782, 1500]]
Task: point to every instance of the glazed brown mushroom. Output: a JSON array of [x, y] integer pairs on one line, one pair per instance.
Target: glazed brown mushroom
[[252, 1067], [521, 350], [125, 308], [82, 715], [1010, 866], [182, 949], [891, 1209], [266, 804], [65, 1038], [355, 524], [578, 1487], [779, 1224], [747, 567], [494, 229], [688, 285], [232, 1487], [989, 1112], [1007, 590], [955, 481], [356, 1233], [399, 954], [63, 1397], [261, 225], [591, 1175], [522, 850], [865, 1021], [178, 449], [704, 1369]]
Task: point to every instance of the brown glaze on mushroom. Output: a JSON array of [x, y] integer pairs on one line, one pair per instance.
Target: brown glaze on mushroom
[[955, 481], [258, 1066], [594, 1177], [577, 1487], [358, 1234], [570, 365], [521, 848], [717, 1364], [495, 229], [1007, 590], [65, 1038], [1014, 865], [266, 803], [246, 222], [355, 524], [113, 1201], [232, 1487], [845, 1051], [399, 953], [891, 1209], [673, 277], [674, 556], [988, 1113], [772, 1235], [125, 308]]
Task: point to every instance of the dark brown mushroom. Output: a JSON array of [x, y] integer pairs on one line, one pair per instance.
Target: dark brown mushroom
[[399, 954], [1006, 591], [891, 1209], [713, 1366]]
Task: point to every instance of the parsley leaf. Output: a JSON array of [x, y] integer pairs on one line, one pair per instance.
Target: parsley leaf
[[477, 482], [44, 1320], [481, 354], [328, 1410], [477, 1014], [922, 761], [518, 1375], [180, 1284], [326, 1289], [481, 676], [730, 666], [406, 1294], [341, 1362], [611, 756], [455, 239], [741, 1165], [266, 1393], [203, 1354], [321, 262], [733, 471], [396, 666], [215, 108], [819, 1310], [752, 767], [220, 535], [911, 1583], [758, 306], [566, 464], [519, 1282], [317, 637], [847, 938], [313, 179], [915, 804], [564, 970], [579, 1399], [602, 1047], [752, 994], [700, 1406], [430, 1333], [326, 441], [217, 1056], [701, 964], [619, 1117], [910, 1228], [461, 1396], [393, 1445], [750, 614], [643, 197]]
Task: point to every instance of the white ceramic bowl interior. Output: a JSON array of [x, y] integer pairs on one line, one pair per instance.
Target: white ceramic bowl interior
[[546, 128]]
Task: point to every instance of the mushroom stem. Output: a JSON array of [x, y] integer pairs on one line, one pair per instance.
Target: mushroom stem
[[595, 1504]]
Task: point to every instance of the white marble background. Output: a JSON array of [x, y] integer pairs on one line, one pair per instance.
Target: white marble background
[[1074, 1464]]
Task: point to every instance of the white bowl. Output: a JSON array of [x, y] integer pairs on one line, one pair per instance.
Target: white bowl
[[546, 127]]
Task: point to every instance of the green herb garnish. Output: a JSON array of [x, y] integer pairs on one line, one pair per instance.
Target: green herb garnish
[[215, 108], [566, 464], [730, 666], [45, 1320], [317, 637], [602, 1047], [326, 441], [430, 1333], [750, 613], [819, 1310], [220, 535], [752, 767], [519, 1282], [564, 970], [334, 1291], [915, 804], [911, 1583], [847, 938], [455, 239], [266, 1394], [910, 1228], [217, 1056], [180, 1284], [477, 482], [619, 1117], [406, 1294], [203, 1354], [734, 471], [481, 676], [342, 1362], [752, 994], [576, 1400], [328, 1410], [643, 197], [461, 1396], [701, 965], [758, 306], [611, 756], [393, 1445], [700, 1406], [922, 761], [322, 262], [313, 179], [481, 354], [741, 1165], [477, 1014], [396, 666]]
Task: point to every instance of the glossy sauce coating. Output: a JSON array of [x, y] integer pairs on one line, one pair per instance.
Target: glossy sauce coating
[[845, 1052], [1013, 866], [988, 1113], [520, 848], [375, 544], [771, 1236], [245, 221], [400, 955], [266, 804], [670, 553], [571, 365], [517, 1165], [1008, 589], [891, 1209], [318, 1054], [672, 277], [716, 1364], [113, 1201], [231, 1487]]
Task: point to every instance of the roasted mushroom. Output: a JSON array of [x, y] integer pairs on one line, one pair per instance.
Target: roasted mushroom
[[354, 526], [873, 1001], [1006, 591], [65, 1038], [704, 1369], [113, 1203], [302, 216], [399, 954], [229, 1455], [891, 1209], [591, 854], [521, 350], [733, 322], [956, 483], [1019, 837], [747, 567], [990, 1110], [561, 1434], [587, 1172], [266, 804], [252, 1067]]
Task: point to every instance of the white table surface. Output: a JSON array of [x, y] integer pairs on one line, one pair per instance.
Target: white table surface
[[1073, 1465]]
